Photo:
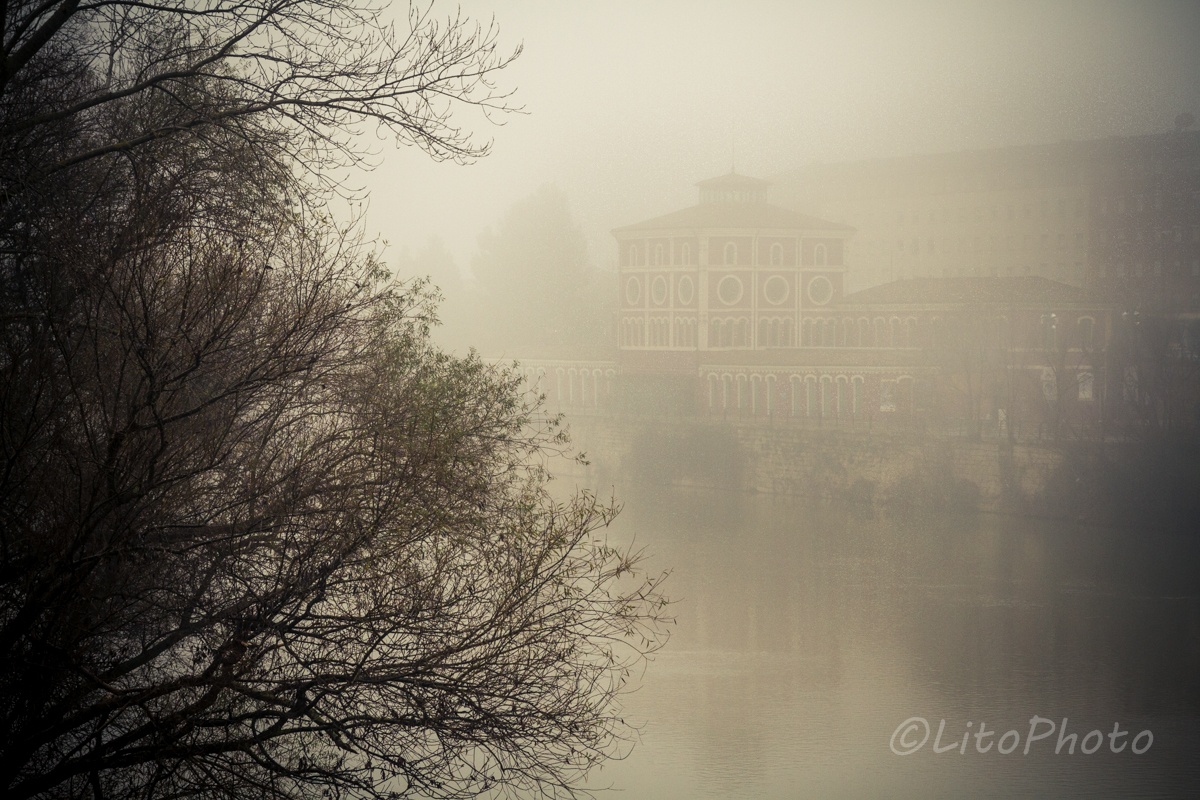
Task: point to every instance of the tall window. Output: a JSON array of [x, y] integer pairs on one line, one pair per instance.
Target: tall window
[[730, 253], [820, 257], [1086, 331], [776, 255]]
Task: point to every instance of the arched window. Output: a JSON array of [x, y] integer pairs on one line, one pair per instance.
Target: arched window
[[633, 255], [1086, 383], [1049, 331], [658, 255], [776, 255], [831, 332], [1087, 328], [730, 253], [686, 254], [820, 258]]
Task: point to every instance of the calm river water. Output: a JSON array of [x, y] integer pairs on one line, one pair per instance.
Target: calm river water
[[807, 634]]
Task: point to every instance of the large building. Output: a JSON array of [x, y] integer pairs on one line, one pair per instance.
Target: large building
[[736, 307], [731, 272], [1120, 216]]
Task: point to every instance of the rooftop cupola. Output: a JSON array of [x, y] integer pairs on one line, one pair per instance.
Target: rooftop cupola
[[733, 188]]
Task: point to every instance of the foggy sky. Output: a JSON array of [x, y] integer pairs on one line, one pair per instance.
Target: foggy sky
[[630, 103]]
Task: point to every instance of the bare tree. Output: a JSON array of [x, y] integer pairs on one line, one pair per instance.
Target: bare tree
[[258, 538], [317, 68]]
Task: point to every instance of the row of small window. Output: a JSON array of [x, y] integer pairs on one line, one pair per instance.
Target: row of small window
[[729, 255], [810, 396], [1044, 208], [583, 387], [1139, 202], [657, 332], [976, 244], [1061, 271], [1139, 235], [1139, 269], [735, 332]]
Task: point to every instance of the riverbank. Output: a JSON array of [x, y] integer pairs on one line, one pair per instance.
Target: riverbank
[[1124, 483]]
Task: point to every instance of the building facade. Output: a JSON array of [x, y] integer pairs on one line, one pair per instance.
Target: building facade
[[1120, 216], [736, 307]]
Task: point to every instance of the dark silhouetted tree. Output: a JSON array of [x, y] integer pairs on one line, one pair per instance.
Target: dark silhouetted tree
[[258, 537]]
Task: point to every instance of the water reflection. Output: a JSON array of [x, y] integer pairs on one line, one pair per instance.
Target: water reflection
[[808, 633]]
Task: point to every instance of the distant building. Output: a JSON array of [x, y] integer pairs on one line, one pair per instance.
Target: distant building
[[736, 308], [1120, 216]]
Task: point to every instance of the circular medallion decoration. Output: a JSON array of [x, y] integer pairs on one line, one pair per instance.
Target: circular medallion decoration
[[776, 289], [633, 291], [658, 290], [686, 290], [820, 290], [729, 290]]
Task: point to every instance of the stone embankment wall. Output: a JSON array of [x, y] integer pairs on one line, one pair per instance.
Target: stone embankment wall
[[875, 467]]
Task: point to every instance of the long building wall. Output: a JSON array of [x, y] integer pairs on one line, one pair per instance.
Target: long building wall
[[1120, 215]]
